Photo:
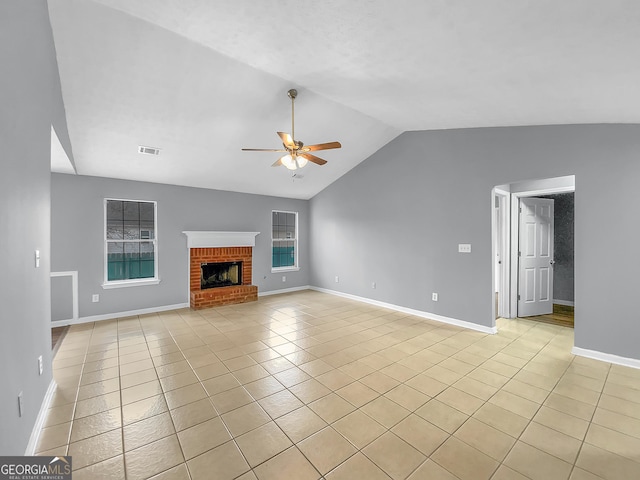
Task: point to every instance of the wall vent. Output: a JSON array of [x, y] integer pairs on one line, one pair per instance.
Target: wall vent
[[148, 150]]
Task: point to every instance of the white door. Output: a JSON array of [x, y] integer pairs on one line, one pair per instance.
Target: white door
[[535, 280]]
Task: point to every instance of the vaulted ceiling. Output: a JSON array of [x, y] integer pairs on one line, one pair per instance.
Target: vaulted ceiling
[[201, 79]]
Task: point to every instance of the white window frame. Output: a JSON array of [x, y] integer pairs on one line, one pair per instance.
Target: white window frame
[[296, 254], [134, 282]]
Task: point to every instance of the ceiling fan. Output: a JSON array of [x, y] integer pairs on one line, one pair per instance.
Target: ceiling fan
[[297, 153]]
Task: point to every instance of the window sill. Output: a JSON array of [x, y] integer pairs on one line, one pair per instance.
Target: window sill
[[284, 269], [131, 283]]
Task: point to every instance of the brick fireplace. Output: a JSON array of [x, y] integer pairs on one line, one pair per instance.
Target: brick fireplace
[[220, 247]]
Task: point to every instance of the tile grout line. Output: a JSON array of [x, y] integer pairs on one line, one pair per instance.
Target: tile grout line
[[537, 410], [604, 384], [386, 341]]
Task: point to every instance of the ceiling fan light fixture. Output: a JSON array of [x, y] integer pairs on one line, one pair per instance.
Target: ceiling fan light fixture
[[289, 162], [293, 162], [301, 161]]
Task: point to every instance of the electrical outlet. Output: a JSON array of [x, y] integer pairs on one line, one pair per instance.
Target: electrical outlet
[[20, 406], [95, 298], [373, 284], [40, 365], [434, 297], [464, 248], [284, 278], [337, 279]]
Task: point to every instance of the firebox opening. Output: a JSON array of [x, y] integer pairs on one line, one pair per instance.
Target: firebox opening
[[222, 274]]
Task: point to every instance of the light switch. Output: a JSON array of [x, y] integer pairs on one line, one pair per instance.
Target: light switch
[[37, 258], [464, 248]]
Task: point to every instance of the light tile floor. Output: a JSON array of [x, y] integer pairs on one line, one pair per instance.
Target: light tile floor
[[308, 386]]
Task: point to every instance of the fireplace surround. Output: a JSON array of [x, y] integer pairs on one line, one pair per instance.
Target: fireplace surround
[[230, 248]]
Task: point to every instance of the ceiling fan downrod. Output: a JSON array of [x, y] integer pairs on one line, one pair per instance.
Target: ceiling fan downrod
[[293, 93]]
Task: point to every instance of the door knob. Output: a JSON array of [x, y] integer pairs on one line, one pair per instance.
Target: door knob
[[551, 262]]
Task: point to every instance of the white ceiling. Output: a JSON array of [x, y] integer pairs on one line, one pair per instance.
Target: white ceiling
[[60, 161], [202, 79]]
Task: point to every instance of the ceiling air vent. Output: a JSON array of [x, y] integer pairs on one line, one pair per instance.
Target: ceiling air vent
[[148, 150]]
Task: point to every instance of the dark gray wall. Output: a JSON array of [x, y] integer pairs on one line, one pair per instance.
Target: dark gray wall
[[29, 107], [398, 217], [77, 229], [563, 278]]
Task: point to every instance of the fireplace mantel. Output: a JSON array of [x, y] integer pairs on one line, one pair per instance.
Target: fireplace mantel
[[203, 239]]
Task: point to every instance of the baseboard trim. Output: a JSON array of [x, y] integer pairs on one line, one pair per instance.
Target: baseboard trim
[[283, 290], [606, 357], [109, 316], [411, 311], [40, 419], [566, 303], [63, 323], [398, 308]]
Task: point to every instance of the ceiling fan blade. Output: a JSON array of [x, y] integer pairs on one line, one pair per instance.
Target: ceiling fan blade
[[287, 140], [321, 146], [263, 150], [277, 163], [313, 158]]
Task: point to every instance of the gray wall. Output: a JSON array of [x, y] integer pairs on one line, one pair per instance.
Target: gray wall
[[77, 226], [29, 107], [398, 217]]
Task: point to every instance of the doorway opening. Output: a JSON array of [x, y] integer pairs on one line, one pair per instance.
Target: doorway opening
[[532, 257]]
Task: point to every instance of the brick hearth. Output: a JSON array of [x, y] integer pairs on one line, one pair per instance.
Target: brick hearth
[[213, 297]]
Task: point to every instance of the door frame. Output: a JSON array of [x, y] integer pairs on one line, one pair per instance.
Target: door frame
[[500, 228], [515, 238]]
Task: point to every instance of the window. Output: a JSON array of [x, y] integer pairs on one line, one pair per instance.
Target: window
[[284, 240], [131, 253]]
